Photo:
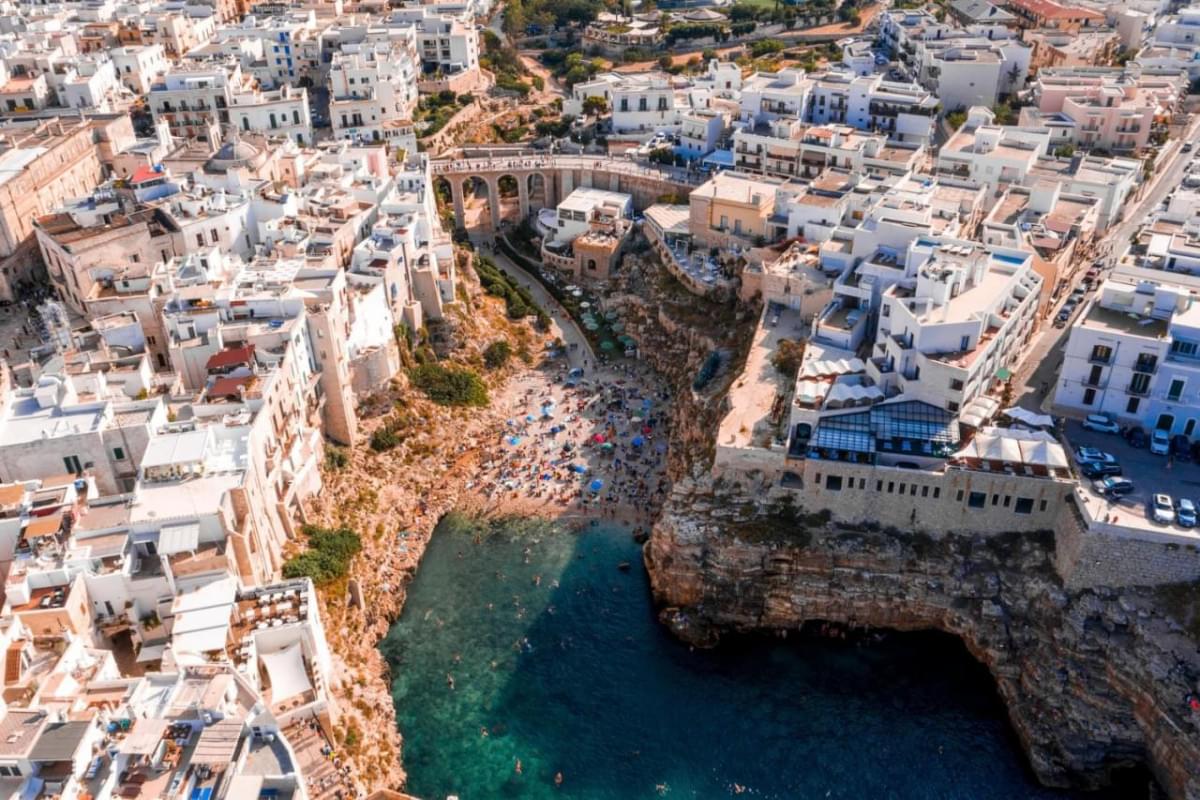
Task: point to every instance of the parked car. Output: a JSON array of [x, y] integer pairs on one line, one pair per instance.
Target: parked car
[[1162, 509], [1100, 424], [1094, 454], [1185, 513], [1187, 147], [1160, 443], [1136, 437], [1113, 487], [1181, 447], [1098, 469]]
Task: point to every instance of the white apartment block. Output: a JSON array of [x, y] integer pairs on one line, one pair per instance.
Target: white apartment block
[[138, 66], [373, 90], [991, 155], [959, 316], [1134, 353], [904, 112]]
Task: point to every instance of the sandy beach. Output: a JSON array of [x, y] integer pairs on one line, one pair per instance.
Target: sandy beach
[[581, 443]]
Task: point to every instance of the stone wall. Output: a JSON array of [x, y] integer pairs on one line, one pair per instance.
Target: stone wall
[[1110, 555]]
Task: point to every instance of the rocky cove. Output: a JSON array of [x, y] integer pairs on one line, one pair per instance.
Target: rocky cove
[[1094, 682]]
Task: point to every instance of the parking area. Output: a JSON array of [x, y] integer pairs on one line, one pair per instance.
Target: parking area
[[1150, 474]]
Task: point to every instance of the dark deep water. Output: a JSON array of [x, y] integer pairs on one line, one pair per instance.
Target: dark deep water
[[576, 676]]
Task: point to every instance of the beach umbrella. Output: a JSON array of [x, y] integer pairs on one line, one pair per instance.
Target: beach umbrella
[[529, 418], [545, 476], [579, 469], [606, 446], [577, 293], [608, 344], [514, 440], [647, 403], [596, 485], [617, 327], [585, 304], [610, 314], [598, 438], [591, 326], [638, 441], [627, 340]]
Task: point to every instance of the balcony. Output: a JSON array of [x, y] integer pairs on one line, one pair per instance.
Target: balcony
[[1147, 367], [1138, 391], [1103, 361], [905, 342]]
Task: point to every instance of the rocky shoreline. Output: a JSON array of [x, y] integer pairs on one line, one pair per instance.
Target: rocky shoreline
[[1094, 682]]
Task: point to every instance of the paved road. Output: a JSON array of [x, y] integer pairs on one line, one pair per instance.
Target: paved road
[[1044, 356], [562, 324]]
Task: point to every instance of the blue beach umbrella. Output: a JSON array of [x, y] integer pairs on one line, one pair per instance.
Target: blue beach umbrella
[[529, 418], [638, 441], [514, 440], [596, 485], [579, 469]]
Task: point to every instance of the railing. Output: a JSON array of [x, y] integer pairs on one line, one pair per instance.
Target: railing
[[1143, 391]]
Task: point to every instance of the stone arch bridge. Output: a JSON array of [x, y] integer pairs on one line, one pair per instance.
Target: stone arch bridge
[[544, 179]]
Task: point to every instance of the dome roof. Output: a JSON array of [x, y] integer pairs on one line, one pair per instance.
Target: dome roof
[[233, 154]]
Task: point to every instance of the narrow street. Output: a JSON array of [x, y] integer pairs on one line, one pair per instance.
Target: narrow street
[[1040, 364]]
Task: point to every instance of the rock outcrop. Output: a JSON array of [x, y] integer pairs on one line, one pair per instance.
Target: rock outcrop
[[1094, 682]]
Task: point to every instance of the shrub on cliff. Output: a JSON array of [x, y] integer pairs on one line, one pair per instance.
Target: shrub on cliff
[[497, 354], [787, 357], [328, 557], [450, 386]]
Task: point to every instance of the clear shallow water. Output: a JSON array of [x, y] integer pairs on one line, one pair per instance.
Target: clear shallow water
[[579, 678]]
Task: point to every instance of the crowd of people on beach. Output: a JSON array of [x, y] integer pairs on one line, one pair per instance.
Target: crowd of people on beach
[[592, 443]]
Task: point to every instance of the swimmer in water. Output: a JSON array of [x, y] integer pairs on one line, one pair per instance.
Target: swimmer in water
[[450, 681], [518, 767], [537, 580], [558, 779]]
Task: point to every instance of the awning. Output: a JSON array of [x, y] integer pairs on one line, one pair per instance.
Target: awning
[[39, 527], [835, 366], [843, 392], [144, 738], [150, 652], [218, 743], [174, 539], [201, 617], [286, 670], [1030, 418]]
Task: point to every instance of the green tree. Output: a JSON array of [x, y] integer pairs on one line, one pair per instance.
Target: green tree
[[788, 355], [514, 19], [594, 105]]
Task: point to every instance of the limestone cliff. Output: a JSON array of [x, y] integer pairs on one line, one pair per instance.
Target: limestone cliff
[[1094, 681]]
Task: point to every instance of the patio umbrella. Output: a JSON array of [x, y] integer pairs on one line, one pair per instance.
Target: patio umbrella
[[626, 340], [577, 293], [585, 304], [610, 314], [617, 326], [608, 344], [591, 326]]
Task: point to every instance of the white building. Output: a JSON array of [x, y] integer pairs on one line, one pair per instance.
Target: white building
[[138, 66], [1134, 353], [373, 90]]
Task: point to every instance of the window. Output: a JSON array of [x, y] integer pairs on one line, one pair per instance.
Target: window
[[200, 239], [1089, 396], [951, 406], [1007, 500], [891, 487], [956, 384], [72, 464], [1176, 390], [976, 500], [1102, 353], [965, 343], [1146, 362], [924, 491], [213, 237], [1139, 383], [10, 771], [642, 104], [960, 495], [834, 483], [119, 453], [937, 492], [295, 117], [246, 123], [1024, 505], [879, 486], [1132, 406]]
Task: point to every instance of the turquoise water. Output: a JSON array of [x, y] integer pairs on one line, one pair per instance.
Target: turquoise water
[[575, 676]]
